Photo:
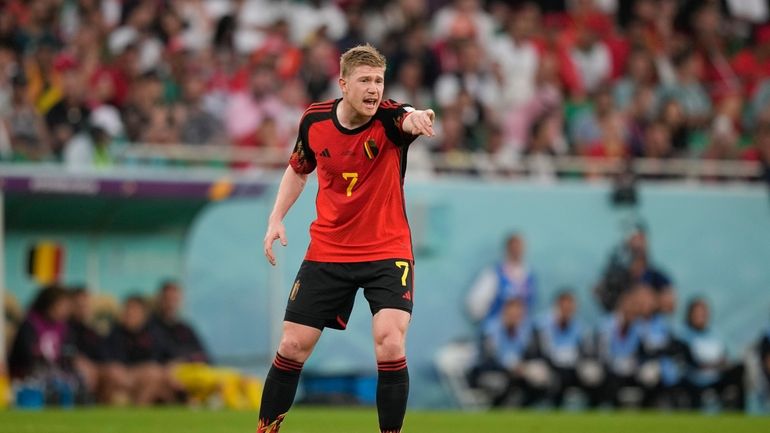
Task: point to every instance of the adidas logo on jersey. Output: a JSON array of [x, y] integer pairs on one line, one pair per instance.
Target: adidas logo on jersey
[[407, 295], [325, 153]]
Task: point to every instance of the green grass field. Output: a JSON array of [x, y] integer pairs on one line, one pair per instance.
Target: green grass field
[[335, 420]]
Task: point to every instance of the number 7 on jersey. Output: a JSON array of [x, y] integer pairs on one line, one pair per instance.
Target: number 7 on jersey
[[353, 177]]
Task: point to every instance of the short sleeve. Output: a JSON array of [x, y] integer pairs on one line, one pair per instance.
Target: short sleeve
[[302, 158], [394, 114]]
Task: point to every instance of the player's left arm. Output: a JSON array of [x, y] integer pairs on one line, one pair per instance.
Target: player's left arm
[[419, 122]]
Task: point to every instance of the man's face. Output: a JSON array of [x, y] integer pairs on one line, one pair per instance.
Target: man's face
[[567, 307], [171, 301], [516, 249], [699, 316], [363, 89], [81, 306], [134, 315], [513, 313]]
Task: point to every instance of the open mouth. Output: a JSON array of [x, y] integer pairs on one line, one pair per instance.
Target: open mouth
[[370, 103]]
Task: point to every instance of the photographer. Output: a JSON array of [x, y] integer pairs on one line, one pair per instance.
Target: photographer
[[629, 265]]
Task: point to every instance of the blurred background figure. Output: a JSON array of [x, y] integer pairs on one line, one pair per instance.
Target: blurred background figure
[[180, 341], [630, 264], [510, 368], [565, 345], [42, 354], [619, 349], [511, 277], [133, 372], [89, 344], [708, 366], [662, 360]]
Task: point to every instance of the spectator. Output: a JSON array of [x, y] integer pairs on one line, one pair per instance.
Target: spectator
[[473, 90], [414, 45], [760, 149], [591, 55], [752, 64], [319, 70], [725, 128], [42, 351], [707, 365], [8, 70], [69, 116], [464, 17], [355, 35], [673, 116], [619, 350], [510, 351], [89, 345], [26, 130], [133, 373], [640, 113], [600, 131], [147, 92], [640, 73], [688, 90], [545, 142], [563, 343], [408, 86], [199, 126], [545, 102], [657, 142], [517, 56], [181, 342], [511, 277], [93, 147], [314, 18]]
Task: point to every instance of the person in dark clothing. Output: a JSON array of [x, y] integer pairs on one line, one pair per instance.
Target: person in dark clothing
[[133, 373], [89, 345], [708, 368], [42, 350], [630, 265], [181, 342]]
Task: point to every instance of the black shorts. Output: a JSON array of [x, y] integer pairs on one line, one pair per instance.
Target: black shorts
[[323, 294]]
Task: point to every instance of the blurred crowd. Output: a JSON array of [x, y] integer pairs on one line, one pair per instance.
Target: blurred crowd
[[634, 354], [68, 349], [79, 79]]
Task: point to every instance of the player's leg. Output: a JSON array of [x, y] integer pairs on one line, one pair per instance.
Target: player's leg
[[322, 296], [297, 343], [389, 329], [388, 286]]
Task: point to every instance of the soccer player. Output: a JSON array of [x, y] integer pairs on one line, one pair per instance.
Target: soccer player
[[360, 238]]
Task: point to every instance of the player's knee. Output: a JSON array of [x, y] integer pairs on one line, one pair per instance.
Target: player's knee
[[293, 348], [389, 346]]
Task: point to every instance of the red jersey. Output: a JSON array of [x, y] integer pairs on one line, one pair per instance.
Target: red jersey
[[361, 215]]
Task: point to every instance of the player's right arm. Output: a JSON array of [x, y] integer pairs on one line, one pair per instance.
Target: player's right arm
[[301, 163], [289, 190]]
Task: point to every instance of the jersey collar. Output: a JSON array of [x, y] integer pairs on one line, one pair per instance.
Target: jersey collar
[[344, 130]]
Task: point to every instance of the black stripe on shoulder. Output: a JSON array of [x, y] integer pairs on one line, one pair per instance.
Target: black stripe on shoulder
[[308, 119]]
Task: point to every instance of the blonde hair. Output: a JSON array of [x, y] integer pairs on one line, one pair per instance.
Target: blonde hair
[[362, 55]]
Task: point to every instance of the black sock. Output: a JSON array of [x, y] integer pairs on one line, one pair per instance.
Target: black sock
[[278, 395], [392, 392]]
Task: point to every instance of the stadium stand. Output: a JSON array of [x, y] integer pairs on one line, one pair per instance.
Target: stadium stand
[[523, 87]]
